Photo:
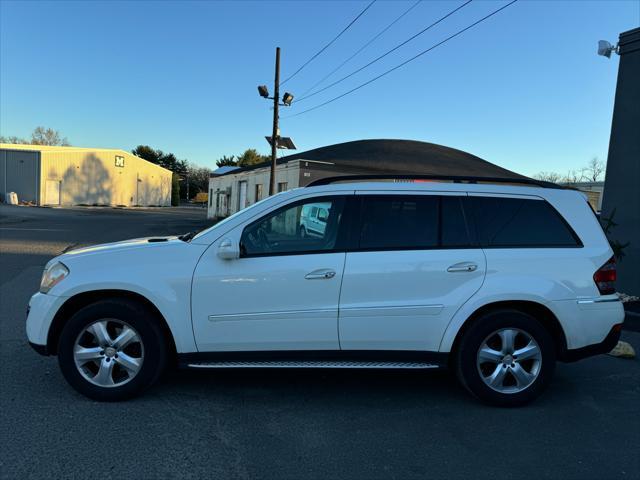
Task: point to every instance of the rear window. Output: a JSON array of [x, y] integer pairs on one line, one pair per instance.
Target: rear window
[[514, 222]]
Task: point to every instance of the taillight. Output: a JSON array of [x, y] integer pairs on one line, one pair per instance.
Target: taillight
[[605, 277]]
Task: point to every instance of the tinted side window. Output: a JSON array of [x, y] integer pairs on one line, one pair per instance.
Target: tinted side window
[[513, 222], [454, 229], [399, 222], [289, 230]]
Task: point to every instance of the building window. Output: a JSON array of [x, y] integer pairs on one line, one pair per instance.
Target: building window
[[258, 192], [119, 161], [282, 186]]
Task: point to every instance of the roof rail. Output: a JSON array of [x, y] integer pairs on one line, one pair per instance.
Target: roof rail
[[450, 178]]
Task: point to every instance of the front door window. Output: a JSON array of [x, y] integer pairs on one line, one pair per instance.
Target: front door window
[[305, 227]]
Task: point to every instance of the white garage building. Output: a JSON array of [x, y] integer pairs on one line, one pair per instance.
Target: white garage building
[[51, 175]]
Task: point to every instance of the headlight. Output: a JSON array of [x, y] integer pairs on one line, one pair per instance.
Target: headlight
[[52, 276]]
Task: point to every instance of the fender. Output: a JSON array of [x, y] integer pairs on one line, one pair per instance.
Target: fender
[[535, 289]]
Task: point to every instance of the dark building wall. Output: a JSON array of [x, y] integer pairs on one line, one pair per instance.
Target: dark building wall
[[622, 183], [19, 173]]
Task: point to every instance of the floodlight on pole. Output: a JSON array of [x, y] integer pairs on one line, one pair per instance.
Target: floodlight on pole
[[263, 91], [606, 48], [287, 98]]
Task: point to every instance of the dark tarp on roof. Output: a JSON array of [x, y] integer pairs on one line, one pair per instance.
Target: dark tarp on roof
[[400, 157]]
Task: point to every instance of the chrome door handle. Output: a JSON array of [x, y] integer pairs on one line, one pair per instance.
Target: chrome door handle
[[463, 267], [322, 274]]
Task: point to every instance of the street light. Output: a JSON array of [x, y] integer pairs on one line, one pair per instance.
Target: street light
[[263, 91], [287, 98], [605, 48]]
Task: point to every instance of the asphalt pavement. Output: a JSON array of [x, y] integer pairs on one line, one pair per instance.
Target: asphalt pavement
[[285, 424]]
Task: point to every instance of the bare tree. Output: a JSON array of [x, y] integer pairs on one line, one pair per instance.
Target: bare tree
[[553, 177], [13, 139], [572, 176], [47, 136], [594, 170]]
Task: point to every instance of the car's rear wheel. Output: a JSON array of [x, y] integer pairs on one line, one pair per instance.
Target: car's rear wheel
[[112, 350], [506, 358]]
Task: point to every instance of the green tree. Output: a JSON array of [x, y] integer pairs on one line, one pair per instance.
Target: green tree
[[227, 161], [175, 189], [251, 157], [165, 160]]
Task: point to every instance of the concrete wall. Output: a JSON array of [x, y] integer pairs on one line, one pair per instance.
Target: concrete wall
[[224, 191], [622, 183], [19, 173]]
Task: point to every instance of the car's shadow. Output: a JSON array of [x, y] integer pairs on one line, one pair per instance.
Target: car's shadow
[[327, 385]]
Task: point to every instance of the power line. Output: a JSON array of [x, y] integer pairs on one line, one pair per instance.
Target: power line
[[328, 44], [406, 61], [362, 48], [387, 52]]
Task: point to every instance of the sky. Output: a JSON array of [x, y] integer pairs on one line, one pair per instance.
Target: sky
[[524, 89]]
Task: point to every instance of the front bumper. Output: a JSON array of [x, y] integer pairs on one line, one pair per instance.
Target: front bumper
[[41, 349], [610, 341], [40, 313]]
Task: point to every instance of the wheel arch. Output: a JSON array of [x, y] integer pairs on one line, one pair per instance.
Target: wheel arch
[[75, 303], [537, 310]]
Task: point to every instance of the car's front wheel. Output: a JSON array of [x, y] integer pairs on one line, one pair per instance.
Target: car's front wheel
[[112, 350], [506, 358]]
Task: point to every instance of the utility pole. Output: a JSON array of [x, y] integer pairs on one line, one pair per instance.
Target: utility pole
[[275, 140], [276, 134]]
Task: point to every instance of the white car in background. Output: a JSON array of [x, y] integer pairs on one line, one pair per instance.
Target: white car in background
[[496, 281], [313, 219]]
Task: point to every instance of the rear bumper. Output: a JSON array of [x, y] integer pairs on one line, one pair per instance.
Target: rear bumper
[[605, 346]]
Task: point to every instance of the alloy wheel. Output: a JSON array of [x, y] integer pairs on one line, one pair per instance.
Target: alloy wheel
[[509, 360], [108, 353]]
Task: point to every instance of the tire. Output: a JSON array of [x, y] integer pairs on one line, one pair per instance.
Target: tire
[[303, 232], [501, 379], [132, 364]]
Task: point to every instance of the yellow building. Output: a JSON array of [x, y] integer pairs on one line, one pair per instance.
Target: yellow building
[[45, 175]]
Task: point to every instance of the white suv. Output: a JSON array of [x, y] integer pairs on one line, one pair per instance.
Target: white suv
[[497, 281]]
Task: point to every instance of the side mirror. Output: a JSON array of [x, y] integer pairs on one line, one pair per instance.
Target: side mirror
[[228, 249]]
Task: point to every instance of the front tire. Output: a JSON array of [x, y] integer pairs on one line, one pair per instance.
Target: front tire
[[112, 350], [506, 358]]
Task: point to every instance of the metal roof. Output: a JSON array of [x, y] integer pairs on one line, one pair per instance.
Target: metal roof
[[398, 156]]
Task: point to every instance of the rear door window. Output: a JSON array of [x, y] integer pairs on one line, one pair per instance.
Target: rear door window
[[515, 222], [398, 222], [453, 224]]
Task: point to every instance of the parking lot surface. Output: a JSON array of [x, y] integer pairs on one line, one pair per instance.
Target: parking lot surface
[[285, 423]]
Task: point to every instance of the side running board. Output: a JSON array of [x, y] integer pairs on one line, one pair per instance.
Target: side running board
[[314, 364]]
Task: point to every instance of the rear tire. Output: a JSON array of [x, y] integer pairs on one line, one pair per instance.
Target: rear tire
[[112, 350], [506, 358]]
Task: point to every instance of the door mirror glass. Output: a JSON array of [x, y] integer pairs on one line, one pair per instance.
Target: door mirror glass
[[228, 249]]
